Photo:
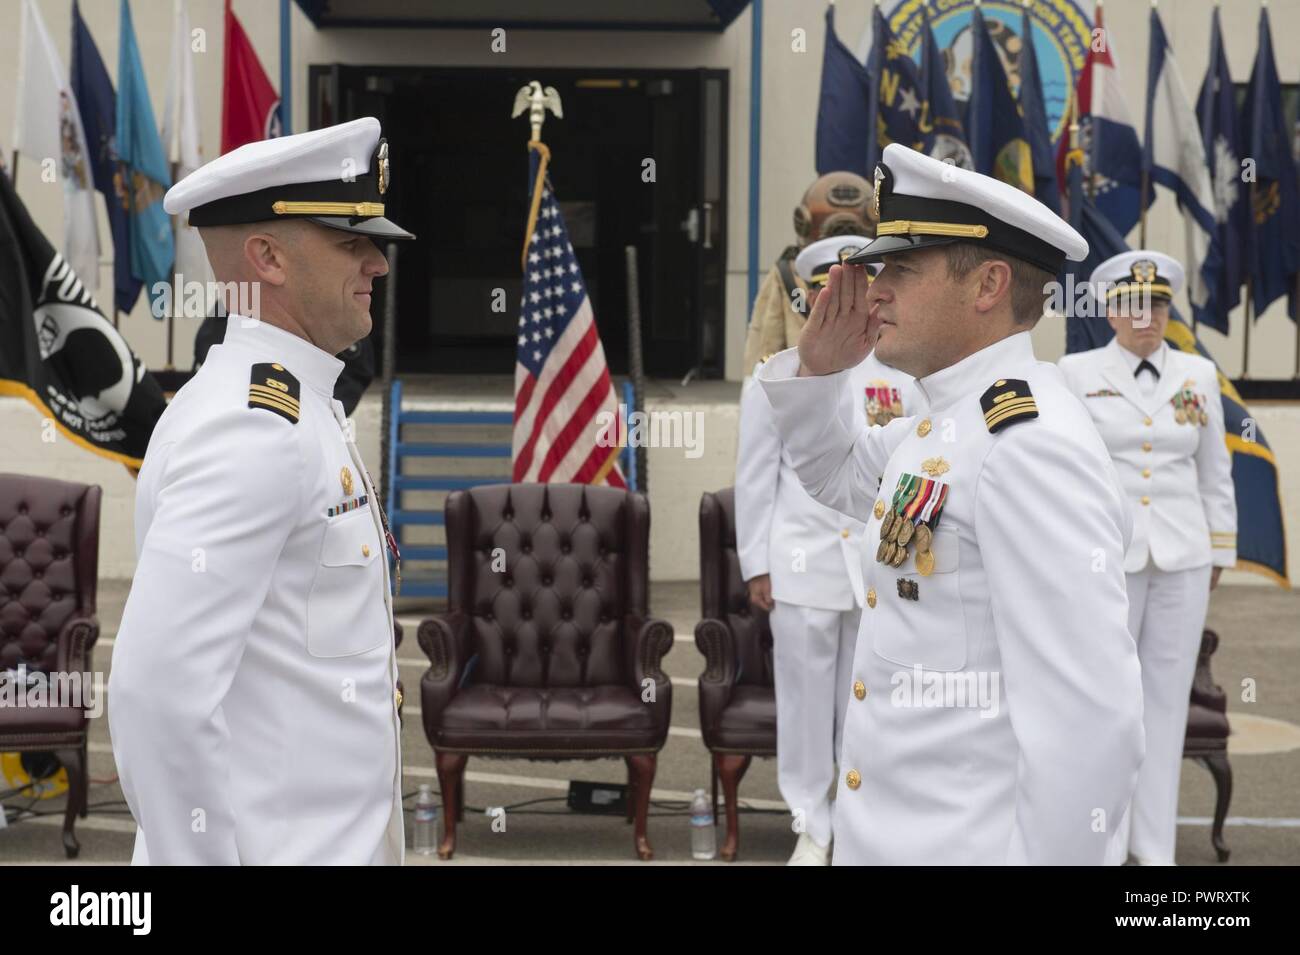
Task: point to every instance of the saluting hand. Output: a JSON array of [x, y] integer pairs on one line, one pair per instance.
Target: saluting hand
[[842, 329]]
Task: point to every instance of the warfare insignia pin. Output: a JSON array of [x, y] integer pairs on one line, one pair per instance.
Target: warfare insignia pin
[[345, 476]]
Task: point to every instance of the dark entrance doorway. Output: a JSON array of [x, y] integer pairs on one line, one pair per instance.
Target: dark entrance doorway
[[460, 171]]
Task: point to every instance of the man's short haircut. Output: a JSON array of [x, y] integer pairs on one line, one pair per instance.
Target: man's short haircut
[[1028, 292]]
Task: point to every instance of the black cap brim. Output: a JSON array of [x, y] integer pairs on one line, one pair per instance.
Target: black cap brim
[[885, 245], [377, 227]]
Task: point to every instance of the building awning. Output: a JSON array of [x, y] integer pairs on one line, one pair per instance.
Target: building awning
[[698, 15]]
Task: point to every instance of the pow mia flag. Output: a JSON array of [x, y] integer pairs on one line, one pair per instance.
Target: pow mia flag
[[59, 352]]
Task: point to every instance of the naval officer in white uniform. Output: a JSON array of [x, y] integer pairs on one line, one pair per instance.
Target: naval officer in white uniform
[[1158, 410], [801, 561], [996, 711], [254, 713]]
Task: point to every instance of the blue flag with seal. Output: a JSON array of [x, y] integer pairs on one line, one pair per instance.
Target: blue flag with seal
[[1273, 244], [98, 104], [844, 109], [997, 133], [144, 166], [1173, 156], [1261, 535], [1034, 113], [1220, 123]]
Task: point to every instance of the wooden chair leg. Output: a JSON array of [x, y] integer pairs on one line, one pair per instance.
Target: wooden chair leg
[[631, 789], [643, 765], [73, 762], [731, 768], [85, 794], [714, 774], [1221, 770], [451, 776]]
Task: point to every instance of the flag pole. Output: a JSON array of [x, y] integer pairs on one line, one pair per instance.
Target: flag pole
[[176, 290], [1146, 184], [1250, 300]]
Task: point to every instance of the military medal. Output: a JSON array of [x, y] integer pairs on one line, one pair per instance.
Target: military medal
[[1205, 419], [882, 403], [924, 538], [1180, 416], [925, 563], [890, 525], [903, 522], [926, 524]]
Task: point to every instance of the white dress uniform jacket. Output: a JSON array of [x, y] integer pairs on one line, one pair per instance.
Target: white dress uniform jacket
[[1177, 477], [1023, 620], [252, 695], [812, 552]]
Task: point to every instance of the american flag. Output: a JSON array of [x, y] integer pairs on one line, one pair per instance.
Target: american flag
[[562, 382]]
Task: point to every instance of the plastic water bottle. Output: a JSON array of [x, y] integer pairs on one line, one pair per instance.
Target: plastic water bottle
[[426, 821], [704, 839]]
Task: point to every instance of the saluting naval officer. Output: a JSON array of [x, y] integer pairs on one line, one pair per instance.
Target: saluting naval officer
[[254, 714], [1158, 410], [802, 562], [996, 710]]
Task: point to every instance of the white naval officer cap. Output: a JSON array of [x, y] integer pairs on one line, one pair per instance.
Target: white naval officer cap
[[813, 264], [336, 177], [924, 202], [1142, 271]]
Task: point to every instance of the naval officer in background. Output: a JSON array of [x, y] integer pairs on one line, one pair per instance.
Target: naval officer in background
[[801, 562], [1000, 712], [254, 711], [1158, 410]]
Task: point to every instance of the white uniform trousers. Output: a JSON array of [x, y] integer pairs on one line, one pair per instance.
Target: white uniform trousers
[[1166, 617], [812, 653]]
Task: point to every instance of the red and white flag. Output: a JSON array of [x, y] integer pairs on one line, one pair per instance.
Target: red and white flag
[[250, 106], [565, 406]]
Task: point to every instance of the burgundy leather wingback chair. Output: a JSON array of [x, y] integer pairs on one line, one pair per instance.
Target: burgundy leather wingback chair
[[547, 650], [737, 695], [49, 565]]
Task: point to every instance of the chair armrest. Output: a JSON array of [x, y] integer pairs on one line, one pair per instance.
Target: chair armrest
[[75, 641], [716, 642], [1205, 692], [445, 641], [652, 639]]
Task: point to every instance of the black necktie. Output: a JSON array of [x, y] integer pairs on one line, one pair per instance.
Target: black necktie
[[1145, 365]]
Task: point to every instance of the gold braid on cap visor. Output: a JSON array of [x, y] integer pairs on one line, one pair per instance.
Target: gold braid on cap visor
[[328, 208], [916, 227]]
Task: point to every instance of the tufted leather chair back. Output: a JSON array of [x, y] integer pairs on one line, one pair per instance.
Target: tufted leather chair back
[[547, 574], [723, 595], [49, 565]]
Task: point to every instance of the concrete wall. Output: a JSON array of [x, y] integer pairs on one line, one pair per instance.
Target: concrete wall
[[789, 98]]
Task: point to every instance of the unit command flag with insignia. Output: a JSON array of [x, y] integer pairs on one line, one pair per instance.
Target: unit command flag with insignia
[[59, 352], [562, 385]]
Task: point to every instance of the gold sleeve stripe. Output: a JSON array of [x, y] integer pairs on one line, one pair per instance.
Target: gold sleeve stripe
[[264, 392], [273, 402], [1009, 409]]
